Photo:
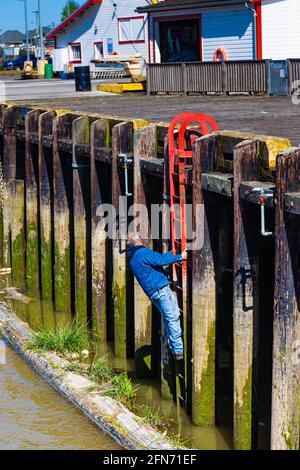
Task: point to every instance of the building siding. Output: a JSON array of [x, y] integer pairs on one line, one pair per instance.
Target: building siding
[[280, 29], [231, 29], [98, 24]]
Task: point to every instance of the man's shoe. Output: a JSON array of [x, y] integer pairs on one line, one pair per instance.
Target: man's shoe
[[179, 357]]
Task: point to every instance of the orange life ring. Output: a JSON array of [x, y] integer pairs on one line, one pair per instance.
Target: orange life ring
[[220, 55]]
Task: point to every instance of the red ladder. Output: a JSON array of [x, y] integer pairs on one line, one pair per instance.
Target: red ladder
[[179, 158]]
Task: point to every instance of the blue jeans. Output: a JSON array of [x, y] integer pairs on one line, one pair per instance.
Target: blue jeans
[[165, 301]]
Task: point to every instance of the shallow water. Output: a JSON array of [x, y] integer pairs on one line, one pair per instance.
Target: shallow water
[[41, 315], [34, 416]]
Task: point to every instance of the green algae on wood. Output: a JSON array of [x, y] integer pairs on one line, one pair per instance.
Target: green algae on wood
[[243, 417], [9, 175], [204, 307], [122, 143], [99, 139], [119, 301], [18, 235], [80, 135], [45, 170], [62, 176], [144, 147], [246, 296], [31, 201], [285, 425]]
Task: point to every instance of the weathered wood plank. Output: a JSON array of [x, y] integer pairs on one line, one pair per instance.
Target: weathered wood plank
[[9, 175], [99, 138], [122, 143], [31, 198], [286, 363], [204, 287], [45, 170], [245, 286], [144, 147], [81, 205], [62, 177]]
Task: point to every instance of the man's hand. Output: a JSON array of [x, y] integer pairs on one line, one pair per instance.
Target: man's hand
[[184, 255]]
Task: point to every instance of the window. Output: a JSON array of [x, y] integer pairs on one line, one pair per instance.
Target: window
[[132, 29], [98, 50], [75, 53]]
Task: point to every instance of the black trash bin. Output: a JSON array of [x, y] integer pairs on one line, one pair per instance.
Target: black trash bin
[[83, 78]]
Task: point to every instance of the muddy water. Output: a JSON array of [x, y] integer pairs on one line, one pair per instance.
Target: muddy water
[[41, 315], [33, 416]]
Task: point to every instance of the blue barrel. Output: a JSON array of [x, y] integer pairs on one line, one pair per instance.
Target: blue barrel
[[83, 78]]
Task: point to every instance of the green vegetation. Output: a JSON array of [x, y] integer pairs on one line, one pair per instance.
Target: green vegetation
[[100, 371], [123, 390], [73, 341], [177, 441], [64, 339], [69, 8], [153, 416]]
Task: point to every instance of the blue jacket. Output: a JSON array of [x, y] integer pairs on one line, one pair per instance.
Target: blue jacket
[[147, 266]]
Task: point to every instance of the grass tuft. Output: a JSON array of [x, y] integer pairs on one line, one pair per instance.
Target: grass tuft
[[65, 339], [178, 442], [122, 389], [101, 371], [153, 416]]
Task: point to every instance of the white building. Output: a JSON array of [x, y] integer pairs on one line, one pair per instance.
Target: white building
[[242, 29], [280, 27], [99, 29]]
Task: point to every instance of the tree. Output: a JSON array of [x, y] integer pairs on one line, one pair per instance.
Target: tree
[[69, 9]]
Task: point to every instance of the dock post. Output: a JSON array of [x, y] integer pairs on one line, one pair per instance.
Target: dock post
[[145, 148], [31, 201], [204, 306], [81, 208], [99, 139], [286, 330], [122, 143], [9, 175], [62, 181], [245, 294], [46, 204]]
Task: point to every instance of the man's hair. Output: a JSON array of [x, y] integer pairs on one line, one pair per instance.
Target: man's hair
[[133, 239]]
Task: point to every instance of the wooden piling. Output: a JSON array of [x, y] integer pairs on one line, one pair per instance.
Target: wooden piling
[[245, 293], [9, 175], [45, 169], [204, 306], [81, 184], [145, 148], [99, 139], [62, 175], [122, 143], [286, 340], [31, 198]]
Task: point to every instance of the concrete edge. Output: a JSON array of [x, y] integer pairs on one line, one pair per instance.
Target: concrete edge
[[107, 414]]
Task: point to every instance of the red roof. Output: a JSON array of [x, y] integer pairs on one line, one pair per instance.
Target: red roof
[[78, 12]]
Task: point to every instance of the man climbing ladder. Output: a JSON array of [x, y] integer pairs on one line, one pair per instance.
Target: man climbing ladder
[[148, 267]]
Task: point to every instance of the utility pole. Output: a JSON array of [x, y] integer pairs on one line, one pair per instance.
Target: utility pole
[[41, 32], [37, 30], [26, 27]]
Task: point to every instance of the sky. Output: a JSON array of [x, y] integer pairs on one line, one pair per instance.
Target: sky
[[12, 13]]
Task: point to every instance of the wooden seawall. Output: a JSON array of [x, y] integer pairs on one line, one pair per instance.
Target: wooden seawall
[[243, 291]]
